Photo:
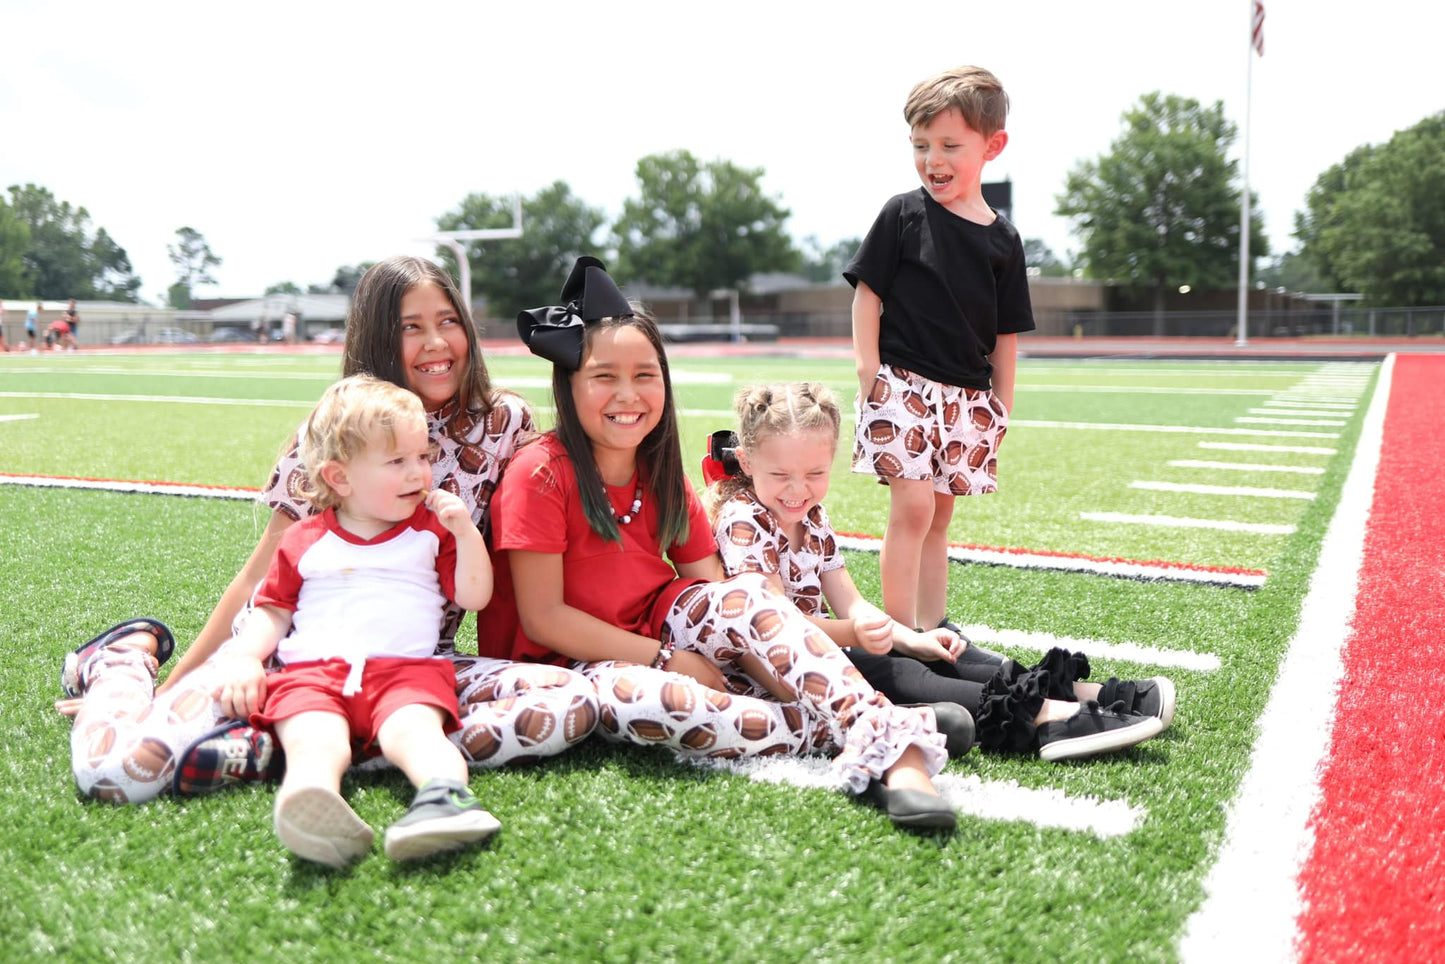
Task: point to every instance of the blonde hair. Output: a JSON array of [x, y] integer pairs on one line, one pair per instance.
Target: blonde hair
[[972, 91], [354, 414], [765, 411]]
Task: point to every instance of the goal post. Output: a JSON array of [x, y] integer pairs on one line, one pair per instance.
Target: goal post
[[452, 240]]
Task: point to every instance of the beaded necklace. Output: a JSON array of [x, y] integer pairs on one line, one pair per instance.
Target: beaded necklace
[[632, 512]]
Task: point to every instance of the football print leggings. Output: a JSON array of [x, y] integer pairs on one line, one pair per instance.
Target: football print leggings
[[835, 708], [126, 742]]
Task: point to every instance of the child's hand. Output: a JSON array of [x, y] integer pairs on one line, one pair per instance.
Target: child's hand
[[872, 629], [451, 511], [244, 690], [699, 667], [934, 645]]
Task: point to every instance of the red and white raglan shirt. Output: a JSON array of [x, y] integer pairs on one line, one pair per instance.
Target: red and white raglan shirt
[[749, 539], [469, 469], [360, 599]]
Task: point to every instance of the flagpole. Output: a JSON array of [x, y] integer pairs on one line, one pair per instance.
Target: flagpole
[[1242, 324]]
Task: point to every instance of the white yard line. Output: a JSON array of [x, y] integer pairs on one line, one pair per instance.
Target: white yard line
[[1244, 467], [1299, 412], [1235, 490], [1252, 899], [970, 795], [18, 418], [1124, 652], [1282, 402], [1181, 429], [1256, 420], [1251, 447], [1172, 522], [168, 399]]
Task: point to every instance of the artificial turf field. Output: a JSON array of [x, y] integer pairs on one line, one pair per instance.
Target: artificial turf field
[[621, 853]]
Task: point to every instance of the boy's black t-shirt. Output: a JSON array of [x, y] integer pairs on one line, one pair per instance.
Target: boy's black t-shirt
[[949, 288]]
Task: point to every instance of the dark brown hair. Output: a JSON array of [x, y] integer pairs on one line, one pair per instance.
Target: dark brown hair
[[659, 457], [373, 331]]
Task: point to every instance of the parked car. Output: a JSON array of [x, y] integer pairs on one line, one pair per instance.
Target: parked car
[[331, 336], [174, 336], [232, 334], [132, 337]]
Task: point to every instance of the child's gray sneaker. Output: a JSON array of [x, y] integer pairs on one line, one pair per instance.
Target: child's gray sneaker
[[317, 824], [443, 816]]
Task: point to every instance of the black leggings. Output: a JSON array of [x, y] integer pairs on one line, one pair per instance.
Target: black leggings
[[904, 679]]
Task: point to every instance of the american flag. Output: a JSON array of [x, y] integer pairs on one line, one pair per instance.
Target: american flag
[[1257, 27]]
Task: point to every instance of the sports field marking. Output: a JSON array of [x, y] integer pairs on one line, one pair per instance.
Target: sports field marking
[[18, 418], [1258, 420], [1238, 490], [1123, 652], [1077, 562], [1252, 902], [1299, 412], [167, 399], [970, 795], [1349, 400], [1185, 429], [1141, 390], [121, 485], [181, 373], [1339, 406], [1252, 447], [1172, 522], [1243, 467]]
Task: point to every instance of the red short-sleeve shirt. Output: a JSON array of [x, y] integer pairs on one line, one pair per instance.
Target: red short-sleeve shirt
[[538, 508]]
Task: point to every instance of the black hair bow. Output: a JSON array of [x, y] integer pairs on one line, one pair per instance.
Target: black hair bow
[[555, 333]]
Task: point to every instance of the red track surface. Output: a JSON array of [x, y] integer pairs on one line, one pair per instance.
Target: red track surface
[[1374, 886]]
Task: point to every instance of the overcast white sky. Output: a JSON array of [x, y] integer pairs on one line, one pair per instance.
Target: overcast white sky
[[301, 136]]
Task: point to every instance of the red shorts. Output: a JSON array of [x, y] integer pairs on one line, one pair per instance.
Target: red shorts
[[387, 684]]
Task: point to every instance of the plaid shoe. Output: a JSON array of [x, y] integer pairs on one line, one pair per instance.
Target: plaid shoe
[[443, 816], [71, 683], [234, 752]]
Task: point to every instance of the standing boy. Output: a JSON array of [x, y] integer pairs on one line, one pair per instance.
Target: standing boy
[[940, 296]]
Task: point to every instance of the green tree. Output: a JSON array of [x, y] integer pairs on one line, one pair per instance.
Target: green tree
[[63, 259], [822, 264], [14, 242], [525, 272], [700, 225], [348, 276], [1039, 255], [284, 288], [1375, 222], [193, 259], [1295, 271], [1161, 208]]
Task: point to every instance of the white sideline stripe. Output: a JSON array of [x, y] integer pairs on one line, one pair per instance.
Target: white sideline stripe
[[1257, 420], [1201, 489], [1320, 399], [1340, 406], [181, 373], [18, 418], [149, 488], [1120, 568], [1244, 466], [171, 399], [970, 795], [1299, 412], [1195, 429], [1252, 900], [1123, 652], [1137, 389], [1259, 528], [1251, 447]]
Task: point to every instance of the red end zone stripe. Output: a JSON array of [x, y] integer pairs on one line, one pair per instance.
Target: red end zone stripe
[[1147, 569], [1374, 885]]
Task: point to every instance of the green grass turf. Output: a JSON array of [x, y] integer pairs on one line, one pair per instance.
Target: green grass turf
[[619, 853]]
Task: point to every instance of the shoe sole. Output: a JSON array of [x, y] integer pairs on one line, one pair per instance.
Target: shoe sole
[[1108, 741], [318, 825], [425, 838], [1166, 699]]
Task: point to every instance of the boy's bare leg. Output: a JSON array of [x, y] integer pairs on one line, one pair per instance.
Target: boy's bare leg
[[412, 738], [933, 565], [910, 513], [311, 818]]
